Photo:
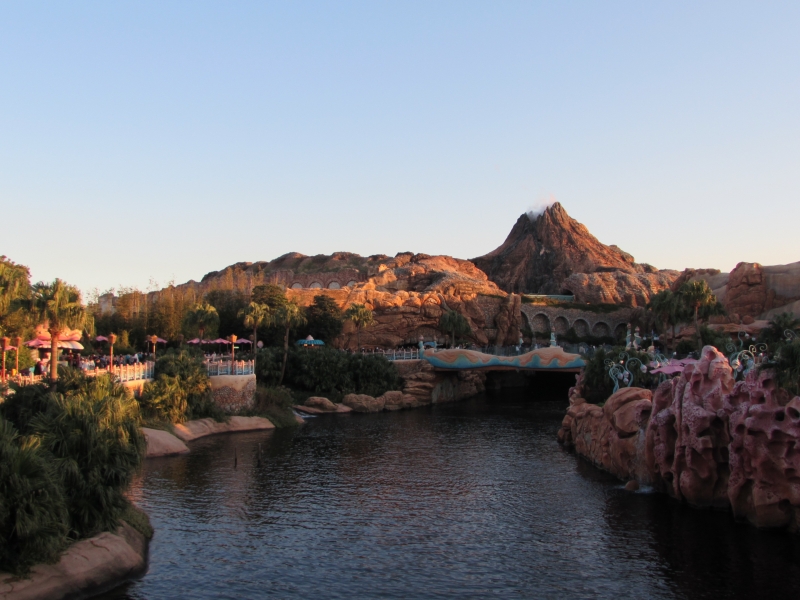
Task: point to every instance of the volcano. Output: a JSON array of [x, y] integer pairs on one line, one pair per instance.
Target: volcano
[[543, 251]]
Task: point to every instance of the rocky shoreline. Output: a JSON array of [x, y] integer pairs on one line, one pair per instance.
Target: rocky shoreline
[[87, 568], [703, 438]]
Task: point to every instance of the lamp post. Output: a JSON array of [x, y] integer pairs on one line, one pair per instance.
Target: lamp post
[[233, 339], [154, 339], [18, 345], [112, 338], [4, 343]]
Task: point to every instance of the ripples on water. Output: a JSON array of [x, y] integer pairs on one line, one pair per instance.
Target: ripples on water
[[473, 499]]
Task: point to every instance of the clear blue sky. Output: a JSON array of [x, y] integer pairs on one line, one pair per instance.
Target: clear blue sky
[[169, 139]]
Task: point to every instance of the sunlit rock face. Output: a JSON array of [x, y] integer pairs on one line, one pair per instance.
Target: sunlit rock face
[[551, 253], [703, 438]]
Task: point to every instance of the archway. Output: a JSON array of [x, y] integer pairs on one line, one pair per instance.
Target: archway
[[352, 283], [620, 331], [540, 323], [561, 325], [581, 327], [297, 286], [601, 329], [334, 285], [316, 285]]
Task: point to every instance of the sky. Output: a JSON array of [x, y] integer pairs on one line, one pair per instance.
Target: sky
[[144, 142]]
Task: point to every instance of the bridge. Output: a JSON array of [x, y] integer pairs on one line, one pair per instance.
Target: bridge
[[543, 359]]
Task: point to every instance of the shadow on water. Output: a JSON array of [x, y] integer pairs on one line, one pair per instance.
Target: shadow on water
[[472, 499]]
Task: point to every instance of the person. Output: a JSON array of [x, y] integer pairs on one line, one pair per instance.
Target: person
[[38, 369]]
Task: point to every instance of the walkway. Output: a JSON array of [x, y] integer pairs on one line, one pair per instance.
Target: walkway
[[544, 359]]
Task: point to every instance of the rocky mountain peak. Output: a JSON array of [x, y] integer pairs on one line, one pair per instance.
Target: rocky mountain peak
[[544, 249]]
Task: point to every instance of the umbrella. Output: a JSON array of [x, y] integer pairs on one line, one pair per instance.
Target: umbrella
[[66, 344], [194, 341], [101, 338], [160, 341], [219, 341], [310, 343], [243, 342]]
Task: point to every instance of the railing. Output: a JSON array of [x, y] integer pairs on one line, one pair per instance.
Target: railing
[[402, 354], [558, 297], [226, 367], [27, 379], [134, 372]]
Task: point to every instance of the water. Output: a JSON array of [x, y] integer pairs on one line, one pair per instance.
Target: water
[[474, 499]]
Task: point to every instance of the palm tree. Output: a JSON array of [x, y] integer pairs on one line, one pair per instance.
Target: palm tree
[[666, 308], [201, 316], [361, 316], [778, 326], [288, 315], [13, 283], [255, 315], [697, 296], [57, 304], [456, 324]]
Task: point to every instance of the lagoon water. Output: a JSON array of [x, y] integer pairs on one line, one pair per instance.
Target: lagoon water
[[473, 499]]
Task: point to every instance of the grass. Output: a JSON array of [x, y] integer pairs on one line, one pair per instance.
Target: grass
[[595, 308]]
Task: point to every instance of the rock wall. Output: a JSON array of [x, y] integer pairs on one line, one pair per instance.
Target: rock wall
[[702, 438], [233, 393]]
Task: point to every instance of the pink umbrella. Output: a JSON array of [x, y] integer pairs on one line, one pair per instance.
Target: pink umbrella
[[160, 341], [194, 341], [101, 338], [243, 342], [219, 341]]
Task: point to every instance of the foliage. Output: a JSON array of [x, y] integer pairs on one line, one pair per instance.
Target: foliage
[[275, 403], [229, 304], [138, 519], [270, 294], [685, 347], [25, 358], [598, 385], [181, 389], [329, 371], [787, 366], [255, 315], [455, 324], [698, 299], [289, 315], [66, 475], [325, 318], [59, 305], [572, 337], [202, 319], [361, 316], [33, 512], [775, 332]]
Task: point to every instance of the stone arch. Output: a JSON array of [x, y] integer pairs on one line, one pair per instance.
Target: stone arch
[[620, 330], [581, 327], [540, 323], [334, 285], [561, 325], [601, 329], [352, 283], [297, 286], [316, 285]]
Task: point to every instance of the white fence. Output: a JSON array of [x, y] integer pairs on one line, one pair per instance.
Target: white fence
[[409, 354], [134, 372], [226, 367]]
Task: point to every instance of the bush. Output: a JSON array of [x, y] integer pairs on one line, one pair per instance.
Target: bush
[[66, 476], [275, 403], [33, 512], [685, 347], [598, 385], [328, 371], [181, 389]]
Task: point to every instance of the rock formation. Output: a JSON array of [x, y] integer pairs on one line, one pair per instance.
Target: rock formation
[[541, 254], [702, 438]]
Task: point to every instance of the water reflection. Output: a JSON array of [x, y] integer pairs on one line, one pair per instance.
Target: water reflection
[[473, 499]]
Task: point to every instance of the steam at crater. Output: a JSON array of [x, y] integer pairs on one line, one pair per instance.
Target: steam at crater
[[538, 209]]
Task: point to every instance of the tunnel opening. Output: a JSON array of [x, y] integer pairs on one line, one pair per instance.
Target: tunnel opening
[[537, 385]]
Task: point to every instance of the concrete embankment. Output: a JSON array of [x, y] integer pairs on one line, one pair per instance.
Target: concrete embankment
[[88, 567], [164, 443], [703, 438]]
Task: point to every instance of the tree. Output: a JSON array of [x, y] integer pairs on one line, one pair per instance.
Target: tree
[[14, 283], [201, 316], [775, 332], [229, 305], [456, 324], [57, 304], [325, 318], [272, 295], [361, 316], [697, 297], [256, 315], [666, 308], [288, 316]]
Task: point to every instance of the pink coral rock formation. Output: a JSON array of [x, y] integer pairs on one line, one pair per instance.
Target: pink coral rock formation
[[702, 438]]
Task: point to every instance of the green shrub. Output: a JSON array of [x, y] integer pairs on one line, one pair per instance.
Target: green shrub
[[33, 512], [138, 519], [275, 403], [164, 399], [97, 446], [329, 371], [598, 385], [181, 390], [685, 347]]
